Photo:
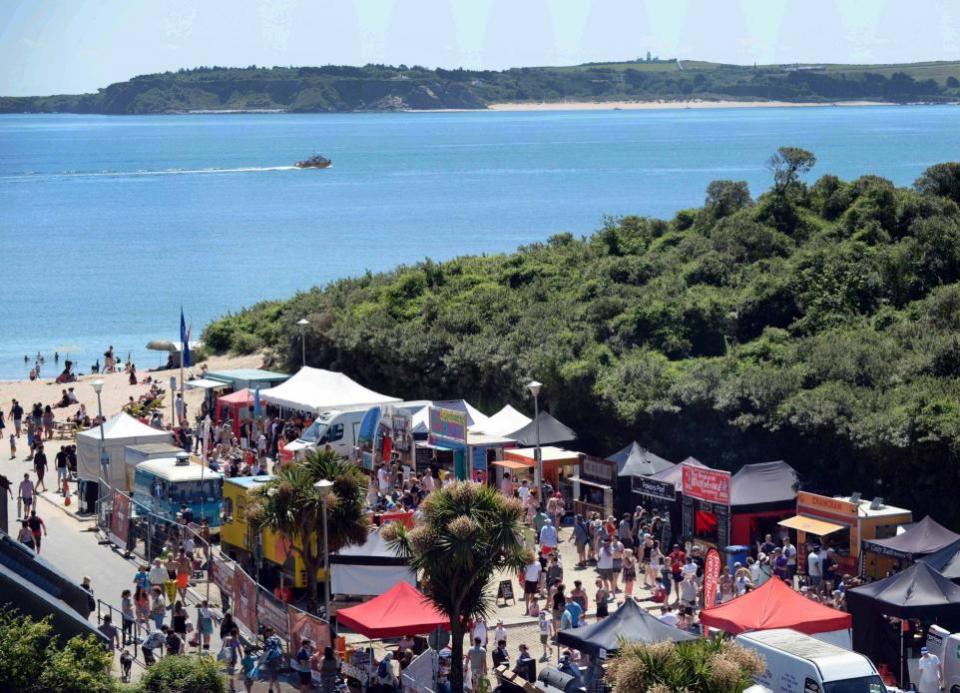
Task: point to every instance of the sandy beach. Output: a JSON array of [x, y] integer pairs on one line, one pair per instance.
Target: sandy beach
[[116, 392], [659, 105]]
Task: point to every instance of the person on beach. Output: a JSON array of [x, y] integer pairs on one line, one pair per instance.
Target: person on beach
[[25, 496], [16, 413]]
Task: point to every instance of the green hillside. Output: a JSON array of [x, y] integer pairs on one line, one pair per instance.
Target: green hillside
[[384, 87], [819, 324]]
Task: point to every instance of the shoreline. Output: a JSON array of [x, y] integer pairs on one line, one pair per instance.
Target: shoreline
[[666, 105]]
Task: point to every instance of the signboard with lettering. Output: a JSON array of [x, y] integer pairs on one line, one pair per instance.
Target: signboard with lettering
[[221, 572], [815, 505], [597, 469], [303, 626], [448, 425], [711, 578], [423, 458], [478, 458], [723, 525], [273, 613], [654, 488], [711, 485], [245, 600], [120, 519]]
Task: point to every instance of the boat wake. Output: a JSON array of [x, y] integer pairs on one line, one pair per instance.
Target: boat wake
[[35, 175]]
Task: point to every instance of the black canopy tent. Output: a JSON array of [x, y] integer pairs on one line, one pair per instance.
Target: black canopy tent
[[946, 561], [636, 461], [760, 496], [551, 431], [919, 592], [629, 622], [923, 538], [661, 492]]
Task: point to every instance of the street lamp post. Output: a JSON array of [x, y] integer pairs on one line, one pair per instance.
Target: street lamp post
[[534, 388], [325, 487], [98, 387], [303, 322]]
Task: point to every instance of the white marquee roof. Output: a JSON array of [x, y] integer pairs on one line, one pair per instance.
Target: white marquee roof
[[316, 390]]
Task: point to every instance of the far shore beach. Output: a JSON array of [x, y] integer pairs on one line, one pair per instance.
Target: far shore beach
[[659, 105]]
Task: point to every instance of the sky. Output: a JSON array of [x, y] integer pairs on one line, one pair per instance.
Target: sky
[[74, 46]]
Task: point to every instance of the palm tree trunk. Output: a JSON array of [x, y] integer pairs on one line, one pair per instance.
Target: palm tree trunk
[[457, 630], [310, 564]]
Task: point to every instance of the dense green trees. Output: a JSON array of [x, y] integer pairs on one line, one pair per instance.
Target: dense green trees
[[818, 326], [385, 87]]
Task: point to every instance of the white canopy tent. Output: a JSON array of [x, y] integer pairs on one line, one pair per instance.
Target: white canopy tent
[[316, 390], [119, 431], [505, 421], [370, 569]]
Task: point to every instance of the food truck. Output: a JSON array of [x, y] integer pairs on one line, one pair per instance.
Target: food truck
[[842, 524], [594, 487], [164, 485], [237, 539]]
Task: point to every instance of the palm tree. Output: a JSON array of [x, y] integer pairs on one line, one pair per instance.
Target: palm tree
[[466, 534], [290, 505]]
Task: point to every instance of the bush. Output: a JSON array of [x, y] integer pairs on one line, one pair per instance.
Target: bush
[[183, 674]]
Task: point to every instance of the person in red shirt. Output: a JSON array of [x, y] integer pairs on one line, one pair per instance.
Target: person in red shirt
[[677, 558]]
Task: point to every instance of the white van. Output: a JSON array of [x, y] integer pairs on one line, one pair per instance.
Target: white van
[[336, 428], [798, 663]]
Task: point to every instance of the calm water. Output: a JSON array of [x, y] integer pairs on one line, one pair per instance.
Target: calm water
[[108, 224]]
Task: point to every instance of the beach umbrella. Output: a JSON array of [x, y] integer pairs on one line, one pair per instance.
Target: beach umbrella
[[162, 345]]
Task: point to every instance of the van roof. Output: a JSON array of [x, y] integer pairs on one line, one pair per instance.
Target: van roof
[[167, 468], [835, 663]]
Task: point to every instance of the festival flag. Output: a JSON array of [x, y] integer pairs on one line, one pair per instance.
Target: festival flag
[[184, 341], [256, 403]]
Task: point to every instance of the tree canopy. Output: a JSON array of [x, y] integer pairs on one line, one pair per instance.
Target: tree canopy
[[818, 327]]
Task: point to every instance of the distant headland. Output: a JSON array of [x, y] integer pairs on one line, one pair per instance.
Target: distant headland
[[649, 82]]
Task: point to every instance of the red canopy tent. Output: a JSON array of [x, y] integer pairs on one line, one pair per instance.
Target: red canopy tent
[[775, 605], [235, 401], [402, 610]]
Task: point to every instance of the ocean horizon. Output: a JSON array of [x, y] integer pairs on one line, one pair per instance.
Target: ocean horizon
[[111, 223]]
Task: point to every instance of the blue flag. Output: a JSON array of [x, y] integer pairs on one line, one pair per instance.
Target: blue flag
[[184, 341]]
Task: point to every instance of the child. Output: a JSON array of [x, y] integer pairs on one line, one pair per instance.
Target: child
[[248, 663], [602, 596], [126, 661], [544, 635], [13, 446]]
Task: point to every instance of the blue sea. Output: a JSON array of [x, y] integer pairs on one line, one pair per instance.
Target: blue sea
[[109, 224]]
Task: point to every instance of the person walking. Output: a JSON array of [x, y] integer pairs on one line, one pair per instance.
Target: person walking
[[205, 620], [37, 526], [329, 671], [40, 466], [129, 617], [62, 469], [16, 414], [25, 493], [25, 536], [158, 607]]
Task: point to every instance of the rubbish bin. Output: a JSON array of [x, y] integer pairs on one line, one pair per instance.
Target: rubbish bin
[[736, 554]]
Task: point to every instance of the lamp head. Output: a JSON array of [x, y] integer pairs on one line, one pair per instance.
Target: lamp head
[[303, 322], [534, 387], [97, 386], [324, 486]]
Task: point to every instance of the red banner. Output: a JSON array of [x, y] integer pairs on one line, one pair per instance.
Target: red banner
[[711, 578], [303, 625], [120, 519], [711, 485], [245, 600]]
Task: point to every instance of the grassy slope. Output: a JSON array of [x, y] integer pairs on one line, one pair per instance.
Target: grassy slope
[[821, 329]]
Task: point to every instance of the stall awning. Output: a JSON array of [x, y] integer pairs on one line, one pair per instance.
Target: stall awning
[[819, 528], [511, 464], [204, 384], [590, 483]]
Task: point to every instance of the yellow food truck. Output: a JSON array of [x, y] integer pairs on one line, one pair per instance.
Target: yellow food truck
[[238, 540]]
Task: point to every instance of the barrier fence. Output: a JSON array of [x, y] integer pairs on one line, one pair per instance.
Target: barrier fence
[[137, 530]]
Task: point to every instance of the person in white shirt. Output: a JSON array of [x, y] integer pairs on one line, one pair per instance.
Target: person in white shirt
[[531, 582], [929, 666], [25, 496], [500, 633], [524, 490], [506, 485], [790, 551], [427, 482], [383, 479], [814, 571], [668, 616]]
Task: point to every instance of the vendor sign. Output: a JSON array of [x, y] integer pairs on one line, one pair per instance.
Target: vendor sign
[[304, 626], [448, 425], [711, 485], [654, 488]]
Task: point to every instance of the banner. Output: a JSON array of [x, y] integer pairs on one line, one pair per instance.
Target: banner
[[271, 612], [221, 572], [711, 485], [245, 600], [303, 625], [654, 488], [449, 425], [120, 519], [711, 578]]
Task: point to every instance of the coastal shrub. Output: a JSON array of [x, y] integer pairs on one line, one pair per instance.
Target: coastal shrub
[[816, 326], [183, 674]]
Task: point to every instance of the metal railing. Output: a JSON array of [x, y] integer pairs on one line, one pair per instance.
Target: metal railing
[[130, 635], [148, 535]]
